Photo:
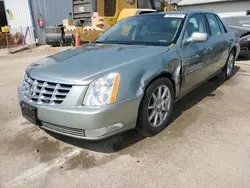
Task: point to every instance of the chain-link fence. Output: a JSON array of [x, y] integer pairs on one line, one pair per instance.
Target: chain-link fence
[[17, 38]]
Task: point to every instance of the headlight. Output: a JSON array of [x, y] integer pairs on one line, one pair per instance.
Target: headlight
[[103, 90]]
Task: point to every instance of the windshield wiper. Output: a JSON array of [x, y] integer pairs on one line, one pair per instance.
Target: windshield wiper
[[114, 42], [98, 42], [124, 42]]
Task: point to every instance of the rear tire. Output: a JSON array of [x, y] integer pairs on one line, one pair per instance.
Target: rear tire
[[156, 107], [228, 69]]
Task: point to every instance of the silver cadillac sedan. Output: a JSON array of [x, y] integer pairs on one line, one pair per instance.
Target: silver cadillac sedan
[[129, 77]]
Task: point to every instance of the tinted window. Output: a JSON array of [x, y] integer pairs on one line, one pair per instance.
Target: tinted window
[[146, 29], [195, 24], [213, 24]]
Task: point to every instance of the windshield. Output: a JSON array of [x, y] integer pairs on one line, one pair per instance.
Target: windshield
[[157, 29]]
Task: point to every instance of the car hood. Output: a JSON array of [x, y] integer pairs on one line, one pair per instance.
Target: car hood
[[82, 65]]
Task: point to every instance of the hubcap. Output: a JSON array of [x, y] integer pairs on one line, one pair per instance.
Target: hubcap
[[159, 105], [230, 64]]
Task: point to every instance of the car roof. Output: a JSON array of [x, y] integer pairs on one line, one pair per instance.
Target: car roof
[[186, 12]]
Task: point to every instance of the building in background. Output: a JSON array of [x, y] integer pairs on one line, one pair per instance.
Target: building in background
[[222, 7], [23, 14]]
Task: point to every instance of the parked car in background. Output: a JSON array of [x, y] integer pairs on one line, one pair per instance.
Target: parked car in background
[[130, 77], [241, 25]]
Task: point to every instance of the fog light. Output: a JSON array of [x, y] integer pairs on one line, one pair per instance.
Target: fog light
[[103, 131], [114, 127]]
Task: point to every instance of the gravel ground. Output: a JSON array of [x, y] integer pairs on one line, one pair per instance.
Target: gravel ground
[[206, 145]]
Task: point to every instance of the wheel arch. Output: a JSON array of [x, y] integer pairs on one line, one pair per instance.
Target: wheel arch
[[164, 74]]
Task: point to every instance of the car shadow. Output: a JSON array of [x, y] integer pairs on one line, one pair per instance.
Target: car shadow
[[124, 140], [243, 58]]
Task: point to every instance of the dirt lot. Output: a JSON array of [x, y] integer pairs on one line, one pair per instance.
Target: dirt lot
[[206, 145]]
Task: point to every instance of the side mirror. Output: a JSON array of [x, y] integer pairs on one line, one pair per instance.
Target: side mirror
[[197, 37]]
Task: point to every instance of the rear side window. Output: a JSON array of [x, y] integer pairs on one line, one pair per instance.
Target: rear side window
[[213, 24], [222, 27]]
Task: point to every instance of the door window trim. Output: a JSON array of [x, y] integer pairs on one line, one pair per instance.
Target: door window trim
[[221, 24], [207, 25]]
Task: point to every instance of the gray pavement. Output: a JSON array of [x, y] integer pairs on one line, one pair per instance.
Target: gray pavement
[[207, 144]]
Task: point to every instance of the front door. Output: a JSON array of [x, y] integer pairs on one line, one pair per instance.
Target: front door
[[195, 55]]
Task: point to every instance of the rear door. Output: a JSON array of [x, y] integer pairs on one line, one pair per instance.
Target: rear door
[[219, 42], [195, 55]]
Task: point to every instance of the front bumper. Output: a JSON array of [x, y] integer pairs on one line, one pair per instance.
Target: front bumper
[[90, 123]]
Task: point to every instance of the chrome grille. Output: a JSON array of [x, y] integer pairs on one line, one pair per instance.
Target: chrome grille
[[63, 129], [41, 92]]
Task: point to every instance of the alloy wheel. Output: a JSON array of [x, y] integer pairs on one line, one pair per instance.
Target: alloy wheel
[[159, 105], [230, 64]]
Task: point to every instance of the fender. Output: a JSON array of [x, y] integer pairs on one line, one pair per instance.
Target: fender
[[139, 76], [170, 69]]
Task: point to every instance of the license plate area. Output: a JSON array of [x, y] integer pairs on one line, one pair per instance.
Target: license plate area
[[29, 112]]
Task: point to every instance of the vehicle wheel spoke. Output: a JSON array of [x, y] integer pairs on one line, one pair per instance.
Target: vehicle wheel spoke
[[154, 97], [159, 92], [164, 109], [152, 116], [156, 119], [151, 107], [164, 93]]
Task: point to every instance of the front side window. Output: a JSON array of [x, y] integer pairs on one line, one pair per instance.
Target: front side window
[[195, 24], [213, 24], [222, 27], [147, 29]]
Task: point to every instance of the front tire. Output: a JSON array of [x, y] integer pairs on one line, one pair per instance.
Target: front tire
[[156, 107], [228, 69]]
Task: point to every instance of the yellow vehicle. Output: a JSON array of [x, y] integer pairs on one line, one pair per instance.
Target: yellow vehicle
[[115, 10], [111, 10], [92, 17], [108, 12]]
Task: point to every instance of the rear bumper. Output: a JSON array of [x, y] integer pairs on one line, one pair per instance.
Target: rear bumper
[[90, 123]]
